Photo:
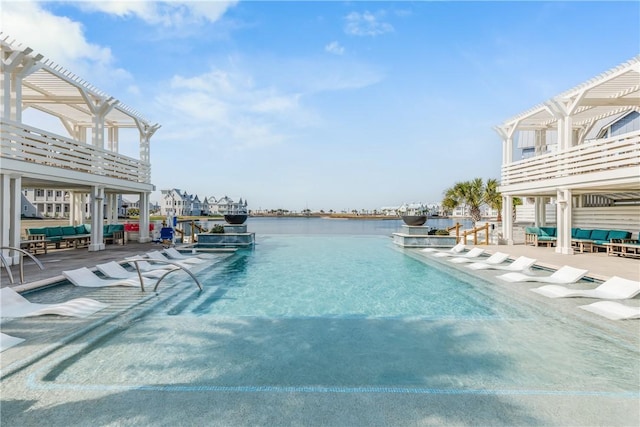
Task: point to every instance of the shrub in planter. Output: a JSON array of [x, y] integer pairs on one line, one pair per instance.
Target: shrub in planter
[[217, 229], [442, 233]]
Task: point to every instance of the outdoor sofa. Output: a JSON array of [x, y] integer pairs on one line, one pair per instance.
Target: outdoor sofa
[[76, 236], [584, 240]]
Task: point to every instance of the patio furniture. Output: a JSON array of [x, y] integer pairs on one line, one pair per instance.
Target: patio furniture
[[84, 277], [14, 305], [496, 258], [614, 288], [455, 250], [563, 275], [613, 310], [538, 236], [473, 253], [521, 263]]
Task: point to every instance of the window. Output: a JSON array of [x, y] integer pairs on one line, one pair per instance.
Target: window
[[39, 193], [49, 193], [58, 193]]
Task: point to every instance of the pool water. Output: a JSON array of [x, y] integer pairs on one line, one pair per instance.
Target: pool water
[[337, 276], [352, 315]]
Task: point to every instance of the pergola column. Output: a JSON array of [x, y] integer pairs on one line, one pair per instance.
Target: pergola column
[[10, 210], [143, 206], [540, 212], [97, 215], [563, 222], [15, 68], [507, 219]]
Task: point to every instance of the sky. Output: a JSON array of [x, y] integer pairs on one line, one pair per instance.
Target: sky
[[331, 105]]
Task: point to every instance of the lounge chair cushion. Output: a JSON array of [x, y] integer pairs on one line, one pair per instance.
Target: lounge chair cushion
[[583, 234], [599, 234], [547, 231], [618, 234], [34, 231], [68, 230], [81, 229]]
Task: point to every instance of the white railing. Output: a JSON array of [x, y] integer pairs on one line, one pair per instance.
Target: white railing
[[596, 156], [29, 144]]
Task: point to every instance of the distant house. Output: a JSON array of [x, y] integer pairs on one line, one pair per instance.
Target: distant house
[[180, 203]]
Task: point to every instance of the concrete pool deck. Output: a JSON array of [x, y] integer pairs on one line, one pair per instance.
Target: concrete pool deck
[[28, 400]]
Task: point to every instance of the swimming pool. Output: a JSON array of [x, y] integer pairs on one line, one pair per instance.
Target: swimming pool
[[356, 316]]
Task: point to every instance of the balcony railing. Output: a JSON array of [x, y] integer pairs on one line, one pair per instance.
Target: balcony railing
[[29, 144], [602, 155]]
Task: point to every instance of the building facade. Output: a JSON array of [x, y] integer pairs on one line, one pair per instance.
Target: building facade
[[580, 154]]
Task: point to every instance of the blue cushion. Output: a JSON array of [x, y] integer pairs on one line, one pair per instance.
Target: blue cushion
[[583, 234], [54, 231], [548, 231], [532, 230], [80, 229], [574, 232], [599, 234], [618, 234]]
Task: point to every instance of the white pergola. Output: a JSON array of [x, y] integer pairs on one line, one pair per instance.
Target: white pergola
[[577, 166], [85, 162]]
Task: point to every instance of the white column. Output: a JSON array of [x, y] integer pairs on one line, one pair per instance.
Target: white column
[[507, 219], [540, 213], [5, 214], [97, 215], [15, 189], [563, 222], [144, 218]]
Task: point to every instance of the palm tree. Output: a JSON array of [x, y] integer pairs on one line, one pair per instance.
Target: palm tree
[[469, 193], [493, 196]]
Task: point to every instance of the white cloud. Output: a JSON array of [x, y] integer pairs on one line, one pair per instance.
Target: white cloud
[[61, 40], [335, 48], [174, 14], [227, 109], [366, 24]]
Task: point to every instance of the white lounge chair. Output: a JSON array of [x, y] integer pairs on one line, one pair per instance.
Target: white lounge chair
[[146, 266], [496, 258], [614, 288], [455, 250], [563, 275], [7, 341], [473, 253], [158, 256], [613, 310], [14, 305], [175, 254], [113, 270], [520, 264], [86, 278]]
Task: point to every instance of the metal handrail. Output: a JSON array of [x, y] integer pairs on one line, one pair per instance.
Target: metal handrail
[[22, 253], [180, 267]]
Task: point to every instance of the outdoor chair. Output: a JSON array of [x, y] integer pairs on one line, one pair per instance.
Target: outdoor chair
[[175, 254], [455, 250], [614, 288], [521, 263], [7, 341], [563, 275], [84, 277], [473, 253], [613, 310], [14, 305], [496, 258], [113, 270]]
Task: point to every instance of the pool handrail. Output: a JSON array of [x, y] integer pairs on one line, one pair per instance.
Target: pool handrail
[[180, 267], [22, 253]]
